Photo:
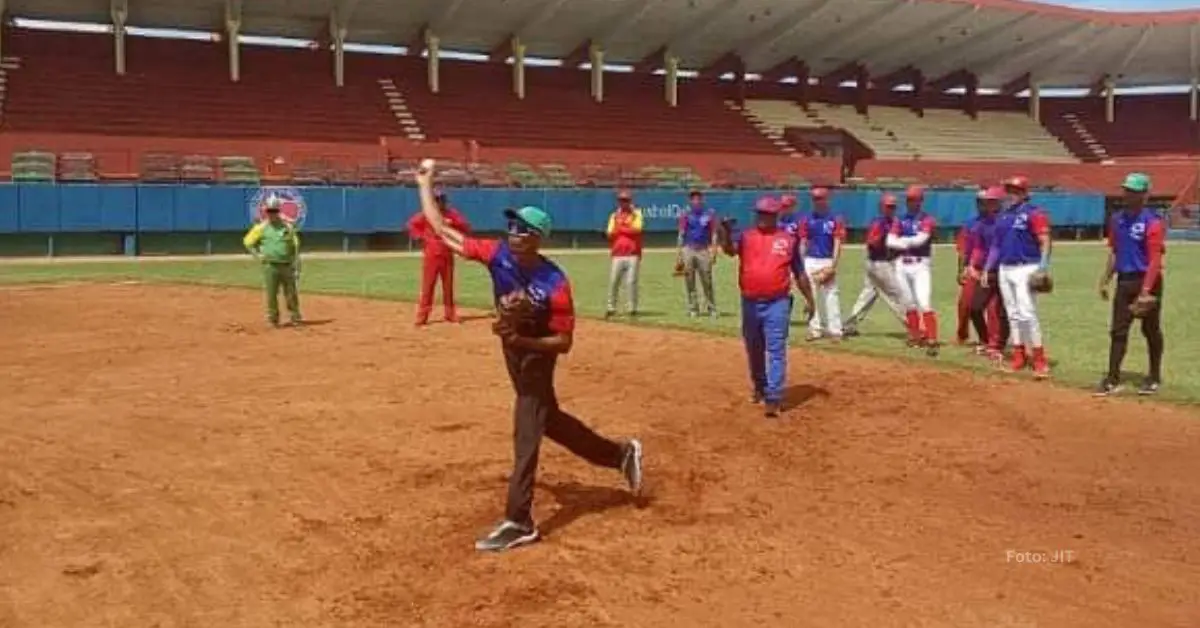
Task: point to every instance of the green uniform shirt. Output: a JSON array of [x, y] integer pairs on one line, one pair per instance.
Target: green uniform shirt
[[276, 242]]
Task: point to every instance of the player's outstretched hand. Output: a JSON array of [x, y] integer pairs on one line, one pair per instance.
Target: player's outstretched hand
[[424, 174]]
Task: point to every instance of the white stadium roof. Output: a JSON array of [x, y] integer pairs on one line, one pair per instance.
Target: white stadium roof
[[1004, 43]]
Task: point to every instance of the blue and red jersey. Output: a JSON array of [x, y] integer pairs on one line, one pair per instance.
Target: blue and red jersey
[[546, 284], [1016, 242], [790, 222], [1138, 241], [698, 224], [768, 261], [877, 232], [911, 224], [980, 241], [819, 233]]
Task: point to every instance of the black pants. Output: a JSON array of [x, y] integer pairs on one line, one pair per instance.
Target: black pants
[[1129, 286], [537, 413], [988, 304]]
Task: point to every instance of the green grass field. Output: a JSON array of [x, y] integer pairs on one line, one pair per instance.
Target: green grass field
[[1075, 320]]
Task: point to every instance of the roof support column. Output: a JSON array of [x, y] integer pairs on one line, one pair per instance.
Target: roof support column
[[1110, 99], [918, 94], [3, 9], [339, 52], [1194, 92], [739, 79], [233, 28], [518, 54], [971, 102], [433, 46], [120, 12], [862, 82], [802, 76], [672, 80], [596, 56], [1035, 102]]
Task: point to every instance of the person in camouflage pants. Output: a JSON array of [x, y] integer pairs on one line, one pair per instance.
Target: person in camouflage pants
[[274, 242]]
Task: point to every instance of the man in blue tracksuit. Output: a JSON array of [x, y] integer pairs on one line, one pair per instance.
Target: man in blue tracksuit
[[769, 259]]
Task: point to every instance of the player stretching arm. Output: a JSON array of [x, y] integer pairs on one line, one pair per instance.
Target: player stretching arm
[[523, 242]]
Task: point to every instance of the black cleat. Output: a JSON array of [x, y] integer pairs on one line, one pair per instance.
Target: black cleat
[[1107, 387], [1149, 387], [932, 349], [850, 331], [609, 314], [631, 466], [506, 536], [756, 397], [772, 410]]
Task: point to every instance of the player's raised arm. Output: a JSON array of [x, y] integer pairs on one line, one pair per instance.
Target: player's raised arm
[[451, 236]]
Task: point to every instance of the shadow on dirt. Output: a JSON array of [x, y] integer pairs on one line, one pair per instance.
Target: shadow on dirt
[[579, 500]]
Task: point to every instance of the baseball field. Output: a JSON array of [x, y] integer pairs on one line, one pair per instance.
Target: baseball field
[[166, 460]]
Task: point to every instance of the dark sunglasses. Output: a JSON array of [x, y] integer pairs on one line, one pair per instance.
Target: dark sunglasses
[[520, 229]]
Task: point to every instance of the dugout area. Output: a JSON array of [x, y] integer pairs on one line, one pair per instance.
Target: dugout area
[[166, 460]]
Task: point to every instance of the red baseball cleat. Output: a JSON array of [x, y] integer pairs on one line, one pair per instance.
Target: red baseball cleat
[[1019, 360], [1041, 366]]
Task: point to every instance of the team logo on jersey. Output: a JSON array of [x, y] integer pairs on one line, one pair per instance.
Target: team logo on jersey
[[780, 246], [292, 207], [1137, 230]]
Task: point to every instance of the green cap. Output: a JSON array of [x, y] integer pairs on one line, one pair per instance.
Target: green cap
[[1136, 182], [533, 217]]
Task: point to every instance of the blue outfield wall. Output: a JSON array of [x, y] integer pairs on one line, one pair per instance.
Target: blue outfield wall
[[51, 208]]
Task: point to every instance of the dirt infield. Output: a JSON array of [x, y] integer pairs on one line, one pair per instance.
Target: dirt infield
[[167, 461]]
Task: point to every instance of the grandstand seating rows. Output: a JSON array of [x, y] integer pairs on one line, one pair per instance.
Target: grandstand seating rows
[[64, 85]]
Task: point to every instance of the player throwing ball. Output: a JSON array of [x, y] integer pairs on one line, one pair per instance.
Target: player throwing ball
[[912, 239], [1136, 241], [769, 258], [536, 325], [1020, 253]]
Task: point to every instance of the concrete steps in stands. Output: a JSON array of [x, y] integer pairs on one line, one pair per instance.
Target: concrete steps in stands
[[770, 129], [399, 108], [7, 64], [1085, 136]]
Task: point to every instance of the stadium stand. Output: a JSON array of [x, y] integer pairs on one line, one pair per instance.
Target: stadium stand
[[174, 88], [285, 120], [476, 100]]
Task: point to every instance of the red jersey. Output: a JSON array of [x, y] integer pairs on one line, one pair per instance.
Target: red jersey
[[768, 261], [419, 229], [625, 233]]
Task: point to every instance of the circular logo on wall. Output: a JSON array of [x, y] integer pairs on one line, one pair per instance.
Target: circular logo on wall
[[291, 205]]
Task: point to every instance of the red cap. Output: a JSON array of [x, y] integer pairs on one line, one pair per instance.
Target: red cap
[[994, 193], [787, 200], [915, 192], [767, 205], [887, 200], [820, 192], [624, 195], [1019, 182]]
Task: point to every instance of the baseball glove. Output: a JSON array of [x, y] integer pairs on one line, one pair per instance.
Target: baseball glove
[[1143, 305], [1041, 282], [514, 313], [824, 275], [678, 272]]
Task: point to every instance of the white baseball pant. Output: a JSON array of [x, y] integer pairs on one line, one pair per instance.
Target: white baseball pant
[[916, 282], [1021, 305], [828, 317], [623, 270], [879, 282]]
